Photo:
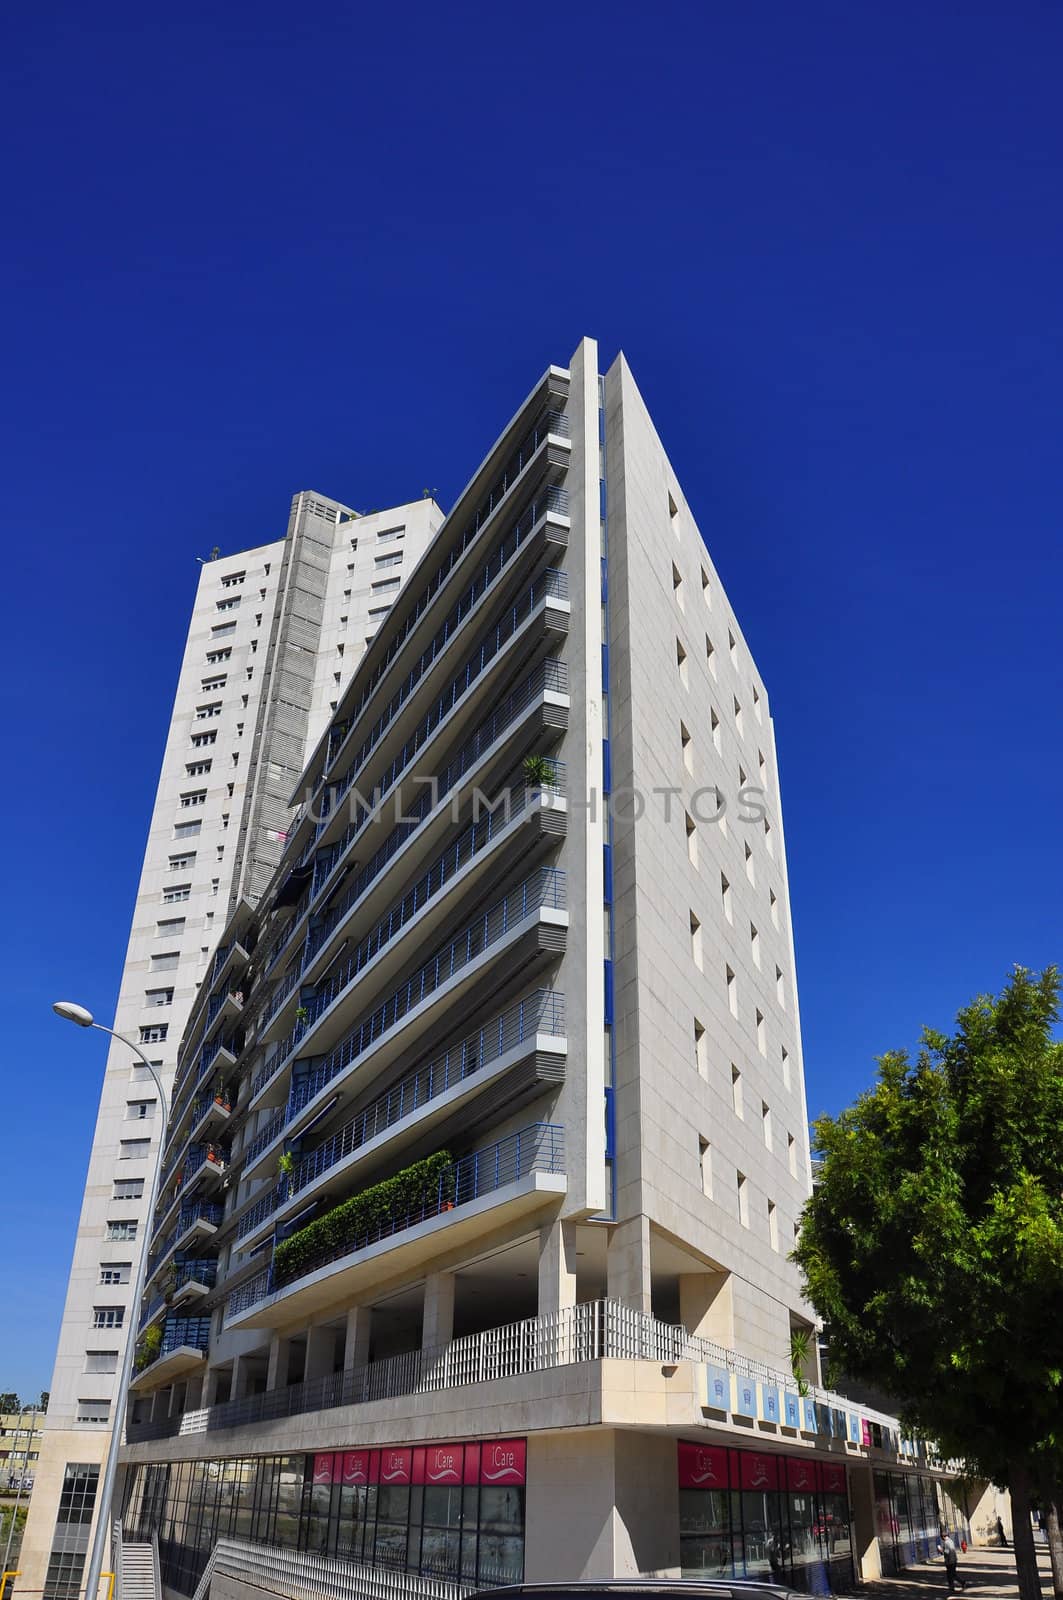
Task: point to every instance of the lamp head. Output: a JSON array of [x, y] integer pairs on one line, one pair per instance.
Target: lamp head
[[73, 1013]]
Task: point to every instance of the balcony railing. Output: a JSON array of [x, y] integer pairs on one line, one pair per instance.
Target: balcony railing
[[553, 584], [470, 843], [553, 499], [195, 1211], [541, 1013], [540, 1148], [550, 675], [203, 1271], [545, 888]]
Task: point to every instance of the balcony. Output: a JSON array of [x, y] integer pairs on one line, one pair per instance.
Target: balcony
[[198, 1220], [529, 1035], [192, 1281], [539, 900], [518, 1175], [181, 1349], [210, 1114]]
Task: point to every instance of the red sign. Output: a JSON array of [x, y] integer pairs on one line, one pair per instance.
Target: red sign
[[396, 1466], [800, 1475], [702, 1466], [472, 1463], [503, 1461], [324, 1466], [833, 1478], [443, 1463], [759, 1472], [356, 1465]]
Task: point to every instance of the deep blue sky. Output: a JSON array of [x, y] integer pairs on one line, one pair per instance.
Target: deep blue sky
[[254, 249]]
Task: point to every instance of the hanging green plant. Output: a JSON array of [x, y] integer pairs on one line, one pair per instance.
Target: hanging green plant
[[302, 1014], [538, 771]]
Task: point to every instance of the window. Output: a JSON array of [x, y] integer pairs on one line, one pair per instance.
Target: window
[[692, 839], [686, 746], [681, 662], [115, 1272], [204, 713], [765, 1123], [101, 1361], [183, 862], [154, 1033], [139, 1110], [705, 1164], [714, 725], [186, 830], [128, 1189], [743, 1199], [214, 656], [108, 1316], [193, 797], [773, 902], [197, 769], [701, 1049], [228, 605], [385, 585], [725, 895], [677, 586], [201, 739], [222, 630], [93, 1410], [761, 1041], [762, 769], [736, 1090], [384, 535], [209, 685], [167, 962], [754, 945], [780, 988], [738, 713], [158, 997], [706, 589], [169, 927], [379, 611], [392, 560], [173, 893], [122, 1232], [773, 1225], [768, 840], [710, 655], [673, 516], [756, 703], [749, 863], [786, 1066], [695, 940], [791, 1154], [732, 991], [234, 580], [133, 1149], [732, 647]]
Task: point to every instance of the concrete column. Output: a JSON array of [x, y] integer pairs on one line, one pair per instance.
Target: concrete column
[[706, 1306], [437, 1325], [628, 1264], [359, 1332], [160, 1404], [320, 1353], [865, 1534], [277, 1365], [557, 1266], [210, 1386], [241, 1376], [194, 1391]]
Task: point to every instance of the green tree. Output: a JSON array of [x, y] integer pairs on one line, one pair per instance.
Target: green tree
[[933, 1244], [9, 1403]]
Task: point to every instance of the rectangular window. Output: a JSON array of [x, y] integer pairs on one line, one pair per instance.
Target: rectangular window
[[101, 1361], [791, 1154], [686, 747], [93, 1410], [214, 656], [201, 740], [155, 1033], [701, 1049], [186, 830], [229, 604], [786, 1066], [773, 1225], [108, 1316], [714, 728], [762, 1042], [736, 1090], [385, 585], [379, 611], [725, 893], [681, 663], [122, 1231], [234, 580], [158, 997], [139, 1110], [134, 1149], [695, 940], [167, 962], [169, 927], [115, 1272], [743, 1199], [128, 1189], [780, 988], [183, 862], [392, 560], [705, 1160], [222, 630], [175, 892], [205, 712], [765, 1122], [385, 534], [196, 769], [210, 685], [732, 991], [754, 945], [692, 839], [193, 797]]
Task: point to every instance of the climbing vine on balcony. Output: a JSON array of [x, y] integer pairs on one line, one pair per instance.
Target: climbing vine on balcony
[[420, 1190]]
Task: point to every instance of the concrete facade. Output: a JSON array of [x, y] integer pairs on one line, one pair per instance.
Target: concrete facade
[[270, 629]]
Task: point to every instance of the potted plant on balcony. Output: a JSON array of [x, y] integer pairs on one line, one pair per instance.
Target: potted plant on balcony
[[149, 1347], [220, 1097], [538, 774], [286, 1171]]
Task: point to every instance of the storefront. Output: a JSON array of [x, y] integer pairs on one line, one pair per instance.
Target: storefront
[[452, 1510], [744, 1514], [908, 1515]]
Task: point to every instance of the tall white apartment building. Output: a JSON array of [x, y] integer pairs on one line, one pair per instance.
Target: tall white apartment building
[[275, 633], [489, 1131]]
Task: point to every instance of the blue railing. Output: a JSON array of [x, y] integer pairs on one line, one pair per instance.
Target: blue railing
[[549, 675], [199, 1156], [552, 500], [544, 888], [195, 1211], [553, 584], [541, 1013], [470, 843], [193, 1332], [540, 1148], [204, 1271]]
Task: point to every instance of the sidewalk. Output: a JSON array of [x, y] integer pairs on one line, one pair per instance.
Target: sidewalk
[[988, 1574]]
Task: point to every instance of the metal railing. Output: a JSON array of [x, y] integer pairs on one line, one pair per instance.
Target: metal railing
[[313, 1577], [471, 842], [553, 499], [203, 1270], [545, 888], [539, 1148], [195, 1211], [542, 1013]]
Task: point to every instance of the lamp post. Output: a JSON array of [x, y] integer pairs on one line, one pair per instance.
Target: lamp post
[[84, 1019]]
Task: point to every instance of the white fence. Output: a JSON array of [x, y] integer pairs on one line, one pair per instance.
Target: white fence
[[293, 1572]]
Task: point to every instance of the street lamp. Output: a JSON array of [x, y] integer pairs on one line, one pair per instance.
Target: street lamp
[[84, 1019]]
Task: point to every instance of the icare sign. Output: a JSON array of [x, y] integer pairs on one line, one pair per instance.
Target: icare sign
[[704, 1466], [491, 1462]]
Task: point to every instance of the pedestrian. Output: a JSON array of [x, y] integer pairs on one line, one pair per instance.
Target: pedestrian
[[1000, 1534], [952, 1561]]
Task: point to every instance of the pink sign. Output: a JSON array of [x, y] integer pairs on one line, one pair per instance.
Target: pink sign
[[799, 1474], [472, 1463], [503, 1461], [833, 1478], [356, 1467], [702, 1466], [324, 1466], [396, 1466], [759, 1472]]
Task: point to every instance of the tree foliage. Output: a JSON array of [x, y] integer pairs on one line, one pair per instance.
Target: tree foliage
[[933, 1243]]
